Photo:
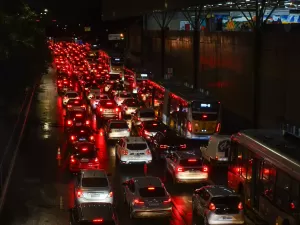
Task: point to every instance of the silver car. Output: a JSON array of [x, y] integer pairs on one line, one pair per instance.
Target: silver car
[[97, 98], [116, 129], [216, 204], [93, 186], [147, 197], [186, 167], [141, 115]]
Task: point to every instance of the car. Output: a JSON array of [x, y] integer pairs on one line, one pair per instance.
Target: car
[[80, 134], [70, 95], [80, 119], [97, 98], [84, 155], [147, 196], [94, 90], [133, 150], [93, 213], [115, 89], [116, 129], [217, 204], [120, 97], [144, 114], [108, 109], [129, 106], [71, 114], [148, 129], [76, 104], [186, 167], [164, 143], [93, 186]]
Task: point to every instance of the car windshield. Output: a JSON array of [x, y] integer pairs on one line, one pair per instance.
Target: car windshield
[[119, 125], [150, 192], [136, 146], [72, 95], [147, 114], [94, 182]]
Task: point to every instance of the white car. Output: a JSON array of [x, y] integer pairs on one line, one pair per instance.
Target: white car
[[120, 97], [70, 95], [97, 98], [133, 150], [116, 129]]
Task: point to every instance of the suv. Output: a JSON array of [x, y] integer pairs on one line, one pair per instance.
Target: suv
[[186, 167], [116, 129], [217, 204], [141, 115], [133, 150], [93, 213], [93, 186], [147, 196]]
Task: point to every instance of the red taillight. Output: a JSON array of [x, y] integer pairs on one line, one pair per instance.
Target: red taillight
[[78, 115], [151, 188], [108, 103], [204, 116], [218, 128], [79, 193], [83, 106], [92, 138], [101, 109], [179, 169], [124, 152], [192, 160], [138, 202], [189, 126], [84, 149], [72, 138], [69, 106], [97, 220], [69, 122], [72, 160], [117, 109], [205, 169], [163, 146], [183, 146], [240, 206], [87, 122], [111, 194], [168, 201], [96, 160], [77, 98], [148, 152], [212, 207]]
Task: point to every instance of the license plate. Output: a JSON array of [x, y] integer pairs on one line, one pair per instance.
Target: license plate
[[108, 110], [78, 124], [192, 171], [153, 204], [82, 139], [84, 160], [95, 195], [227, 218]]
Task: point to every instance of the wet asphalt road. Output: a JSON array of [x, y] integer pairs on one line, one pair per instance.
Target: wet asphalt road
[[40, 192]]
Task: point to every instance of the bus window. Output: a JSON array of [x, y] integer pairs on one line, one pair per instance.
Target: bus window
[[267, 179]]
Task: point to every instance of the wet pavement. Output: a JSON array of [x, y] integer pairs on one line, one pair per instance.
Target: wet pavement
[[40, 192]]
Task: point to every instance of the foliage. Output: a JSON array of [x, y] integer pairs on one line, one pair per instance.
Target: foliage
[[24, 54]]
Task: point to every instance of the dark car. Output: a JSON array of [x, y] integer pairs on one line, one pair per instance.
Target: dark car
[[148, 129], [80, 134]]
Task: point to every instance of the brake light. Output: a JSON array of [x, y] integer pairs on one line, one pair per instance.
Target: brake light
[[92, 138], [204, 116], [96, 160], [65, 97], [192, 160], [218, 128], [189, 126], [124, 152], [108, 103], [138, 202], [78, 115], [148, 152], [59, 85], [111, 194], [183, 146], [65, 82], [101, 109], [97, 220], [87, 122], [117, 109], [72, 160], [212, 207], [84, 149], [76, 102], [163, 146], [205, 169], [77, 97], [179, 169], [69, 122], [151, 188], [72, 137], [79, 193], [240, 206], [83, 106], [69, 106], [168, 201]]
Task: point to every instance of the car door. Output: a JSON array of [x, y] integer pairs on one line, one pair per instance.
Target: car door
[[74, 217], [172, 163], [129, 191], [203, 201]]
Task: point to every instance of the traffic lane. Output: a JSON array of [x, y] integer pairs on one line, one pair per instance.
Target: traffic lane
[[35, 190]]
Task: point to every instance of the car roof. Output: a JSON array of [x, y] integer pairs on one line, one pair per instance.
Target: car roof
[[93, 173], [220, 191], [90, 211], [132, 140], [147, 181]]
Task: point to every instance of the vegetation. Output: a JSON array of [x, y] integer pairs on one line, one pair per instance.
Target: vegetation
[[24, 53]]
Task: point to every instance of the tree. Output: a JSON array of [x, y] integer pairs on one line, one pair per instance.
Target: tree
[[24, 53]]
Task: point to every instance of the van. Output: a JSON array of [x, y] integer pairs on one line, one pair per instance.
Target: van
[[217, 149]]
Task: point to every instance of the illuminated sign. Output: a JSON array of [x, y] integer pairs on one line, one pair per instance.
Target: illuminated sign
[[205, 105], [144, 75]]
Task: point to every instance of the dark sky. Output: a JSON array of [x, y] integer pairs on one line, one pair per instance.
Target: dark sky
[[88, 11]]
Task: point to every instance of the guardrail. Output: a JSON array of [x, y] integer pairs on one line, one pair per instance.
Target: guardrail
[[11, 150]]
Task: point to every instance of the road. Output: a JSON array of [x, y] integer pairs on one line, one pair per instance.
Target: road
[[40, 189]]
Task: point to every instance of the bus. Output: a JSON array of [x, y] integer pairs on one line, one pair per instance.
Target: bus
[[192, 114], [264, 167], [117, 65]]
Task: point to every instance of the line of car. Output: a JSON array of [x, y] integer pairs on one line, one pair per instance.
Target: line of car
[[141, 139]]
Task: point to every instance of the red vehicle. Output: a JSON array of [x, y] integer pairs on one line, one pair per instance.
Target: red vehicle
[[84, 156]]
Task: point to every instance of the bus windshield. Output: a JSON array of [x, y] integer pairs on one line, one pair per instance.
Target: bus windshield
[[117, 61]]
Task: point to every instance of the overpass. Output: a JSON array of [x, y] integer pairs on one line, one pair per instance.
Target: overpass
[[251, 70]]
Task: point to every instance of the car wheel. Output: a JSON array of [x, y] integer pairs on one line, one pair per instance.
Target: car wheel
[[205, 222]]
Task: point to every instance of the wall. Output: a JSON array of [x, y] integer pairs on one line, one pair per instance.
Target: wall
[[226, 70]]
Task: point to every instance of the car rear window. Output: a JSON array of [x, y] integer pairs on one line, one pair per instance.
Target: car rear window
[[72, 95], [94, 182], [108, 104], [136, 146], [191, 162], [226, 202], [119, 126], [147, 114], [156, 192], [74, 102]]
